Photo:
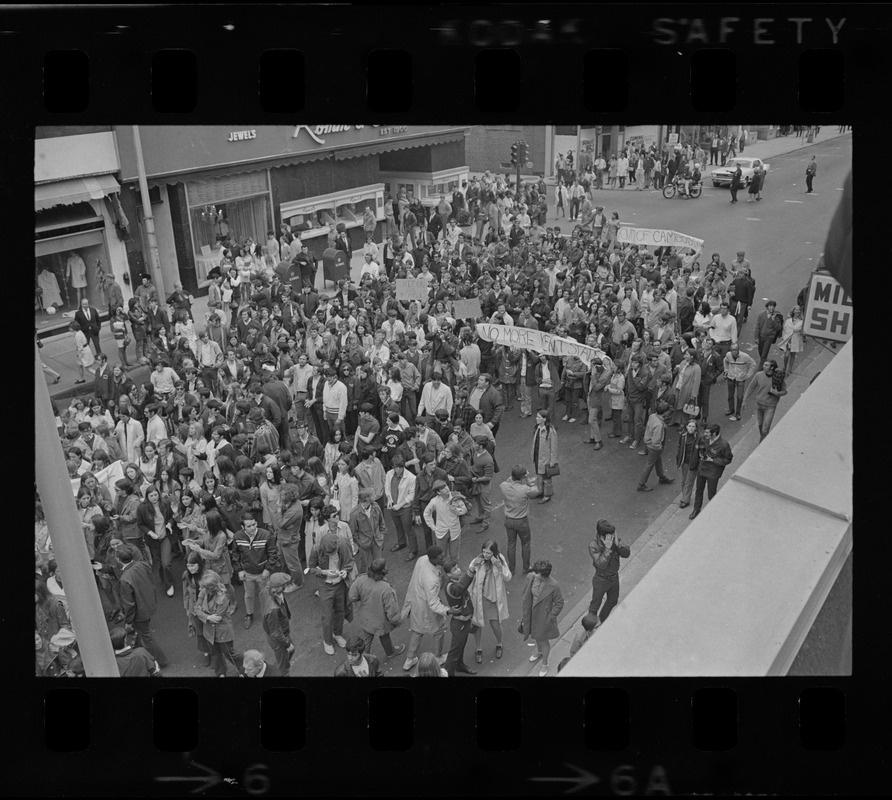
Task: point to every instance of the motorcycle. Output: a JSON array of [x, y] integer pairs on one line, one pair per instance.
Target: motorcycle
[[677, 186]]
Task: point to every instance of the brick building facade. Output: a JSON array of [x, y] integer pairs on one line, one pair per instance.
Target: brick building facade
[[487, 147]]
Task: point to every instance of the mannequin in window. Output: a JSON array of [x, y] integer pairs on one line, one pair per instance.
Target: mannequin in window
[[76, 274], [49, 288]]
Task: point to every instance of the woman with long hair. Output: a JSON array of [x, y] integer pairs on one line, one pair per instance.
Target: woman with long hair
[[345, 488], [140, 484], [214, 608], [316, 468], [332, 450], [154, 520], [687, 459], [191, 518], [214, 547], [211, 484], [429, 667], [194, 448], [290, 517], [148, 463], [545, 454], [541, 604], [315, 528], [489, 573], [791, 341], [192, 574], [269, 497]]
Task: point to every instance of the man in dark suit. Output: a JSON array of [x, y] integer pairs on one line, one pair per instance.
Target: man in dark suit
[[306, 267], [342, 241], [489, 401], [269, 406], [139, 601], [156, 319], [88, 319], [308, 300]]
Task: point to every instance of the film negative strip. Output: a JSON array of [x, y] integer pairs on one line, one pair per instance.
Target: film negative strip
[[201, 109]]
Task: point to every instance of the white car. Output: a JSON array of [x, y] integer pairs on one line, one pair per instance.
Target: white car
[[722, 175]]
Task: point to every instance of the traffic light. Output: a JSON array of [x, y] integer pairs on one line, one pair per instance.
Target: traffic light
[[522, 155], [514, 154]]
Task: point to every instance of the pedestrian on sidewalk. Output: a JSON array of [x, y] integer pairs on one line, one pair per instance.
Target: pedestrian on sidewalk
[[769, 327], [767, 387], [214, 608], [541, 605], [517, 493], [83, 353], [139, 601], [545, 455], [590, 623], [715, 454], [606, 549], [687, 459], [791, 341], [810, 171], [331, 561], [654, 439]]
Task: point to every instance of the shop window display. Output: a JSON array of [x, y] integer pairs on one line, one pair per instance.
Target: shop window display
[[63, 278]]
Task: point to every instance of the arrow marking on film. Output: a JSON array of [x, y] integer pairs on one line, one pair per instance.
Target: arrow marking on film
[[583, 779], [211, 778]]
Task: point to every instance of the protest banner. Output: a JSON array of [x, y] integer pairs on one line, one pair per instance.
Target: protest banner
[[539, 341], [412, 289], [652, 237], [105, 477], [467, 309]]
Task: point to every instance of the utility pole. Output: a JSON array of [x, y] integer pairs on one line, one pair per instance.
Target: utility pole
[[154, 258], [69, 545]]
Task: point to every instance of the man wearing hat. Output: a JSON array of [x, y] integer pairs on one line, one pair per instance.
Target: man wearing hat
[[139, 601], [277, 619]]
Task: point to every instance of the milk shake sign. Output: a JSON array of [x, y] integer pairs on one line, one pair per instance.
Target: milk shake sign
[[828, 310]]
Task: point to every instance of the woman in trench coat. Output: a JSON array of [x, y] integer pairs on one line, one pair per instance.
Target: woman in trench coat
[[541, 604], [686, 382]]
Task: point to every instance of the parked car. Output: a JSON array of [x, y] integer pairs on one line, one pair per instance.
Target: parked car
[[722, 175]]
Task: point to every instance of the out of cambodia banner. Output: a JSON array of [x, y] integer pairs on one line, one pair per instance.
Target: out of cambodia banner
[[539, 341], [653, 237]]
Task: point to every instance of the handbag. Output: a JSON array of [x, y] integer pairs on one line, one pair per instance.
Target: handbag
[[691, 409], [127, 340], [552, 469]]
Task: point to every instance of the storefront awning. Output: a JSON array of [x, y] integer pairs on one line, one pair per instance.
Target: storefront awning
[[76, 190], [240, 168], [399, 144]]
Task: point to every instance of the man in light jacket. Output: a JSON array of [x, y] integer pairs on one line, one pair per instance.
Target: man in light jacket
[[423, 607], [377, 609], [654, 438], [130, 435], [443, 521], [399, 491], [739, 368]]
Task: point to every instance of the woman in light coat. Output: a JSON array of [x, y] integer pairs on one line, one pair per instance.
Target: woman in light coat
[[561, 199], [345, 489], [541, 604], [615, 391], [214, 609], [490, 572], [195, 449], [85, 357], [686, 382], [545, 454], [791, 339]]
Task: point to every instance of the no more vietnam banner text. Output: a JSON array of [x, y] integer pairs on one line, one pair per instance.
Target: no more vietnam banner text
[[539, 341]]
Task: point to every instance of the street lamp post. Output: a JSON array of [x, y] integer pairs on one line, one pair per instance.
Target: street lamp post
[[69, 546]]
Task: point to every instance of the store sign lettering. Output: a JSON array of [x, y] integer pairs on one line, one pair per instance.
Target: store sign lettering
[[242, 136], [318, 132]]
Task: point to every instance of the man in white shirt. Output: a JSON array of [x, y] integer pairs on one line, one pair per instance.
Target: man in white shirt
[[334, 399], [155, 427], [724, 330], [393, 327], [399, 491], [434, 396], [300, 375], [443, 521], [162, 378], [370, 267], [379, 349]]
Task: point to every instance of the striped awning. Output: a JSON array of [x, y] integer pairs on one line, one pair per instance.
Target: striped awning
[[398, 144], [76, 190]]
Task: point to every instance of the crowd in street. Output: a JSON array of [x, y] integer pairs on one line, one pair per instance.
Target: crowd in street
[[294, 440]]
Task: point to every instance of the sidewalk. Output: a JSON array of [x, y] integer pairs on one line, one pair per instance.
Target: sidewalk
[[650, 546], [768, 149], [58, 351]]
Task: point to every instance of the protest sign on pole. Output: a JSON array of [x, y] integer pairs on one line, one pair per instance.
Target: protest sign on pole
[[467, 309], [412, 289], [653, 237], [828, 309], [539, 341]]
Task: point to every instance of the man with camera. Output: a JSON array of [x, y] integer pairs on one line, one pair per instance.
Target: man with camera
[[715, 455], [606, 550]]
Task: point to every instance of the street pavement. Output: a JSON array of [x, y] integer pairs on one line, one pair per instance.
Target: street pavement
[[783, 241]]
